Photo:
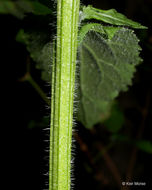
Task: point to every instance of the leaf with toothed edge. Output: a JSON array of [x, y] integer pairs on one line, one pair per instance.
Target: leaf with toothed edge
[[106, 68]]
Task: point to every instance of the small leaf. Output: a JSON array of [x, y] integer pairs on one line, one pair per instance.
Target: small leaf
[[106, 68], [105, 31], [110, 31], [144, 145], [89, 27], [108, 16], [20, 37]]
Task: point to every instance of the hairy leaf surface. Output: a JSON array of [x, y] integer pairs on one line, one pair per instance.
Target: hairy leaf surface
[[108, 16], [105, 31], [106, 68]]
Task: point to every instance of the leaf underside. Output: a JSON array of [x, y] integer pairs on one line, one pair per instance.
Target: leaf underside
[[106, 68]]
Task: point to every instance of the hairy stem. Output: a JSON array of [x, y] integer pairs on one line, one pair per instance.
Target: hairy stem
[[63, 80]]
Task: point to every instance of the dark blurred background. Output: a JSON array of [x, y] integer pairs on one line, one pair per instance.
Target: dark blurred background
[[100, 160]]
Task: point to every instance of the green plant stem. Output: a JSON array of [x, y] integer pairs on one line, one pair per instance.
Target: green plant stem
[[63, 80]]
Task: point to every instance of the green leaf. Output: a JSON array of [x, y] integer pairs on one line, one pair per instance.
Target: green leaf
[[106, 68], [21, 7], [9, 7], [144, 145], [116, 120], [108, 16], [89, 27], [106, 31], [110, 31], [40, 9]]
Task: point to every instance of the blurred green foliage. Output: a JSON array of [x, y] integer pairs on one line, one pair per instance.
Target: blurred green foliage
[[144, 145], [20, 8], [116, 120]]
